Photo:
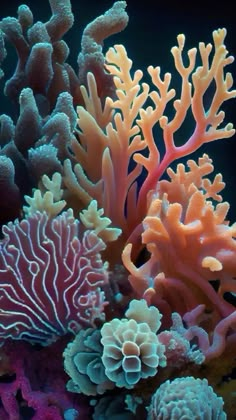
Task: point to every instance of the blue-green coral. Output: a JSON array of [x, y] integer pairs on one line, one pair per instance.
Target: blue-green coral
[[184, 399], [82, 362], [131, 349]]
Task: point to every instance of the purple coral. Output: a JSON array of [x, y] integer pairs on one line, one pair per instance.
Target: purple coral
[[49, 278]]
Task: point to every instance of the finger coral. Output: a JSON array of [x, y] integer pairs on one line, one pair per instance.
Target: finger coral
[[182, 215]]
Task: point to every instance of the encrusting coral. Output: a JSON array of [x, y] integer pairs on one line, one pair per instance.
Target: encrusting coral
[[124, 279]]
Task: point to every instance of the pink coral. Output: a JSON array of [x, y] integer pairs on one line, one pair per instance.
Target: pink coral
[[50, 278]]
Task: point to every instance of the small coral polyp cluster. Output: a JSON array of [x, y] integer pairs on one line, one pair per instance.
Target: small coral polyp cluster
[[117, 287]]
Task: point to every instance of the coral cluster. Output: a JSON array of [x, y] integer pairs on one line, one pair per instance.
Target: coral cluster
[[115, 283]]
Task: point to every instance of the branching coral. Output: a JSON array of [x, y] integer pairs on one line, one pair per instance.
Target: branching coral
[[49, 201], [120, 142], [182, 216]]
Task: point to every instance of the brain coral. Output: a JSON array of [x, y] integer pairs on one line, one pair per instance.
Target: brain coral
[[50, 278], [184, 399]]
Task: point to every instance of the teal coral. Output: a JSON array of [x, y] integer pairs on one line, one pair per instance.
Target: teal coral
[[141, 312], [82, 362], [184, 399], [131, 351]]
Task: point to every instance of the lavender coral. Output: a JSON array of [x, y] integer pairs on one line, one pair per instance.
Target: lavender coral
[[50, 279]]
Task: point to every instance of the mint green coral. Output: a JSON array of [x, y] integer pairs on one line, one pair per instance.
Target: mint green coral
[[184, 399], [131, 349], [141, 312], [82, 362]]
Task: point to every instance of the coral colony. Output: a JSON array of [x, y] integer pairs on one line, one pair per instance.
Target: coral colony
[[117, 285]]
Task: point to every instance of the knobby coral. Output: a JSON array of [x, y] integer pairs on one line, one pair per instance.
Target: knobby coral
[[186, 398], [140, 270]]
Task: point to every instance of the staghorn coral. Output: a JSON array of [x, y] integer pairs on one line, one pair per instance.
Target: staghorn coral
[[92, 218], [50, 201], [186, 398], [50, 280], [118, 143]]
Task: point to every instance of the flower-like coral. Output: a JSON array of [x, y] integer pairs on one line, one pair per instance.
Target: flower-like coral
[[50, 279], [82, 362], [131, 351], [186, 398], [141, 312]]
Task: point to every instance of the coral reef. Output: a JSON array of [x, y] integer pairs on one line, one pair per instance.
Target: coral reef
[[117, 267]]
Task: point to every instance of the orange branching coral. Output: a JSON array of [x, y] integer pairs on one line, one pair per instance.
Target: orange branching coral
[[189, 241], [112, 137]]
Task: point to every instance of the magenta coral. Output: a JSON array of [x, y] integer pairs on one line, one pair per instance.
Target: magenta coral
[[50, 279], [36, 387]]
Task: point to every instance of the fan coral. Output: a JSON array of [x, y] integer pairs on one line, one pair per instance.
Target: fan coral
[[186, 398], [49, 279]]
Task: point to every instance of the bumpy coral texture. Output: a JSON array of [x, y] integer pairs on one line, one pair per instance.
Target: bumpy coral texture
[[186, 398], [82, 362], [50, 278]]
